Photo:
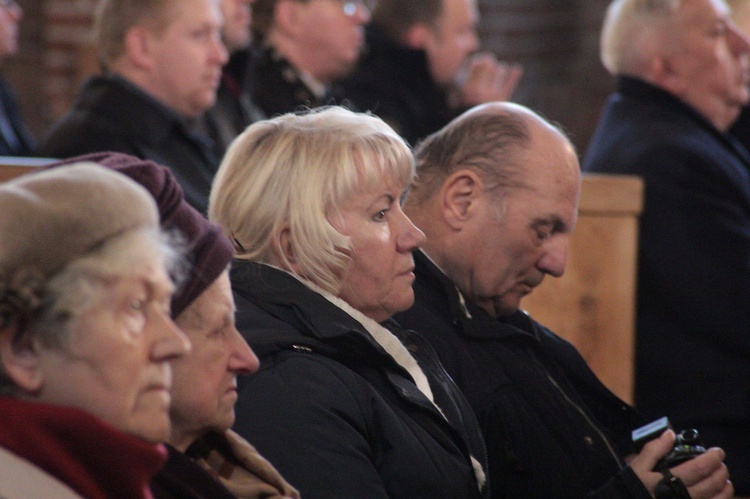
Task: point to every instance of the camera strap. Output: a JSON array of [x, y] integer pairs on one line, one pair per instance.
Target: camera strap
[[670, 487]]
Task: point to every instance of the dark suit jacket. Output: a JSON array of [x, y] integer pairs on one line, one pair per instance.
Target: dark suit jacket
[[111, 114], [693, 342]]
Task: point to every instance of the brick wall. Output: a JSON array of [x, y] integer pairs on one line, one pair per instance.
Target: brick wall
[[555, 40]]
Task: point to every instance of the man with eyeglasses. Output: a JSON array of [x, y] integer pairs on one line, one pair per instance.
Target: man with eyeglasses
[[15, 140], [304, 46], [422, 68]]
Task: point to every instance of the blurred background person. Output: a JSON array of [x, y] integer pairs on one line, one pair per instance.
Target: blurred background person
[[86, 339], [682, 73], [346, 403], [162, 61], [234, 110], [15, 140], [741, 17], [421, 67], [302, 48]]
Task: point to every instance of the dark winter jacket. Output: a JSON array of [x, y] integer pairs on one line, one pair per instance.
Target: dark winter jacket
[[394, 82], [693, 346], [112, 114], [277, 88], [341, 413], [552, 429]]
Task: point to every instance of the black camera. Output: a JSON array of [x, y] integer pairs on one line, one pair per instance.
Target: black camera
[[687, 443]]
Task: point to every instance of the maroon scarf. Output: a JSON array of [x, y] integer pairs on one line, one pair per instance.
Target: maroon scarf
[[91, 457]]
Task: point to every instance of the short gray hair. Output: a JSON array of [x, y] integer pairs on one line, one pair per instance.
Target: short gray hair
[[483, 142], [295, 170], [633, 31]]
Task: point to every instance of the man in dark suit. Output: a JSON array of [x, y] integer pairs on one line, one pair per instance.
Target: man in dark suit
[[682, 79]]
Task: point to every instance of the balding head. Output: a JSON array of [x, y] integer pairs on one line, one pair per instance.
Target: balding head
[[497, 195]]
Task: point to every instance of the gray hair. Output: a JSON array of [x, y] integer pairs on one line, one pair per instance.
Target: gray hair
[[483, 142], [633, 31], [72, 291], [295, 171]]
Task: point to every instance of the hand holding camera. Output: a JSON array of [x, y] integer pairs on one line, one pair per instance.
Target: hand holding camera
[[678, 465]]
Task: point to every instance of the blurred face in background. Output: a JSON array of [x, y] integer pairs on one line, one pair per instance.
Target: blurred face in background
[[237, 17], [333, 32], [186, 57], [452, 40], [10, 16]]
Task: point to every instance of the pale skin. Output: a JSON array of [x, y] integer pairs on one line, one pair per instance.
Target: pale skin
[[318, 37], [708, 65], [451, 46], [526, 243], [116, 363], [180, 65], [204, 386], [379, 279]]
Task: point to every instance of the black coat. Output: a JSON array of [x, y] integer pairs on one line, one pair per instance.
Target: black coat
[[233, 110], [552, 429], [394, 82], [336, 414], [693, 322], [111, 114], [276, 87]]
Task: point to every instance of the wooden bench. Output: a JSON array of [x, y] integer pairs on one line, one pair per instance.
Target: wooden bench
[[12, 166], [593, 304]]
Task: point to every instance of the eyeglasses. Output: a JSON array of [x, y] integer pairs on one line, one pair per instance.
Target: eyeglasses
[[350, 7]]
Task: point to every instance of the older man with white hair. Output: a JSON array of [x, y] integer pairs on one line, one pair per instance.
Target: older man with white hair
[[682, 80]]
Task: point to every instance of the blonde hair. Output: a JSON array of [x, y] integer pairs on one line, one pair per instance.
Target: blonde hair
[[634, 31], [294, 171]]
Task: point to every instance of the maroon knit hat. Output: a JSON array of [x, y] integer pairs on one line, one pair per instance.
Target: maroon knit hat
[[208, 250]]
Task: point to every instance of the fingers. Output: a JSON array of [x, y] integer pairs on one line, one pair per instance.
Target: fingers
[[706, 475], [643, 463], [488, 79]]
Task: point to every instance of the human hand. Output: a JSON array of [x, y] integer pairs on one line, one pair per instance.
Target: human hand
[[485, 79], [705, 476]]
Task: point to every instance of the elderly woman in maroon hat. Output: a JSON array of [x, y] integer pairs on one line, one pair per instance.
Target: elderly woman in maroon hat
[[206, 459], [86, 338]]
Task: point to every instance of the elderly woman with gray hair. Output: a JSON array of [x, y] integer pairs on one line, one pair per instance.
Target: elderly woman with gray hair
[[346, 403], [86, 338]]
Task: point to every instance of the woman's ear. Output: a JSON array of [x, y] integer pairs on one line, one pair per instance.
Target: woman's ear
[[19, 358], [458, 195], [284, 250]]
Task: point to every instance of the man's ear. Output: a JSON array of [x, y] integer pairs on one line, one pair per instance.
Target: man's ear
[[458, 197], [20, 361], [138, 47], [286, 16], [417, 36], [664, 75], [284, 250]]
